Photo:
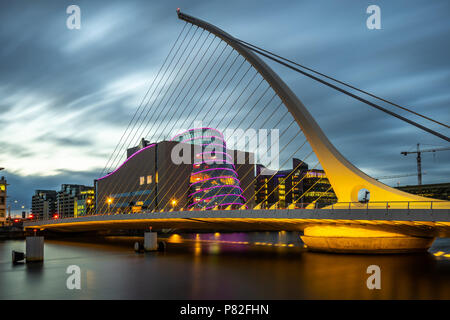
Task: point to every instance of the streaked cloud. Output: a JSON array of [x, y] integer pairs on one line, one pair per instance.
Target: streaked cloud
[[66, 96]]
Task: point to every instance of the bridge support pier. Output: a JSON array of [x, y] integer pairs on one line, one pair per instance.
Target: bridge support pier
[[34, 249], [150, 241], [360, 239]]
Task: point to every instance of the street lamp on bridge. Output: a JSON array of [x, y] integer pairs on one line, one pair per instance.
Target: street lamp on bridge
[[109, 201]]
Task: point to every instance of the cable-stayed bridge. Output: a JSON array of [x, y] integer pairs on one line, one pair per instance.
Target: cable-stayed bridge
[[210, 77]]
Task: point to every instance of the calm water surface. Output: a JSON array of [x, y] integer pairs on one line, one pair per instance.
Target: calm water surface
[[221, 266]]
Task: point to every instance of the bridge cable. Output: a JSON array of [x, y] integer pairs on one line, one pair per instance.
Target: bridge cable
[[232, 94], [278, 186], [163, 112], [154, 79], [180, 91], [283, 164], [350, 94], [267, 119], [257, 176], [244, 104], [206, 76], [212, 93], [210, 96], [344, 83], [117, 160], [166, 92], [252, 169], [161, 133], [223, 104]]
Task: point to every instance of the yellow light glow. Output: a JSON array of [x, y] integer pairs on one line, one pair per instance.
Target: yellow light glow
[[175, 238], [109, 200], [173, 202], [348, 231]]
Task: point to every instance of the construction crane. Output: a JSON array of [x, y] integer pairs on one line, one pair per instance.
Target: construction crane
[[397, 176], [419, 159]]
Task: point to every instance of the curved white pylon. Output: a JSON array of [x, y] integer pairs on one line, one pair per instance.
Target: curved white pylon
[[346, 179]]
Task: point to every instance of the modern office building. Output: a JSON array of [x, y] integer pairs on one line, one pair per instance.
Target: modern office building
[[164, 176], [85, 202], [297, 187], [44, 204], [317, 190], [281, 187], [3, 196], [437, 191], [214, 182], [68, 196]]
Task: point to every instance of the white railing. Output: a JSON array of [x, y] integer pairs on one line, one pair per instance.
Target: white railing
[[428, 206]]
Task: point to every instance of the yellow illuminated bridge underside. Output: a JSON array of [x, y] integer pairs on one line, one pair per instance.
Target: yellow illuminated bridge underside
[[419, 223]]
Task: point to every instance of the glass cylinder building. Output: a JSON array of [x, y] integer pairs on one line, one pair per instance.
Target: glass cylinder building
[[214, 181]]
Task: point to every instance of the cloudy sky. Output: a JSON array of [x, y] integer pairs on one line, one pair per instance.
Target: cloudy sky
[[66, 96]]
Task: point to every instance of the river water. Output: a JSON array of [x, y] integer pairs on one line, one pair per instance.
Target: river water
[[265, 265]]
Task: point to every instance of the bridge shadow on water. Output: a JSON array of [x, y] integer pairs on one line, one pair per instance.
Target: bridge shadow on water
[[265, 265], [271, 265]]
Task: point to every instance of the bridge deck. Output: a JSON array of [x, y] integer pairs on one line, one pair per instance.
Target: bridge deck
[[418, 222]]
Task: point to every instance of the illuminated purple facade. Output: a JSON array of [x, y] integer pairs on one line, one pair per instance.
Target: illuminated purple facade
[[214, 181]]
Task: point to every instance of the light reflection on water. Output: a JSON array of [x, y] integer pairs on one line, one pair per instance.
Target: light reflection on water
[[265, 265]]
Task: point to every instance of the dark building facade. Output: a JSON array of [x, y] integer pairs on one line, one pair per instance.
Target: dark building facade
[[298, 187], [436, 191], [142, 144], [44, 204], [154, 178], [317, 189], [3, 196], [68, 196]]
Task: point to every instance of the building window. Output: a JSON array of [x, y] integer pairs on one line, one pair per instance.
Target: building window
[[142, 181], [149, 179]]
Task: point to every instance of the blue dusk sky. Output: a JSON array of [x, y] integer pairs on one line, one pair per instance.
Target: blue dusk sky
[[66, 96]]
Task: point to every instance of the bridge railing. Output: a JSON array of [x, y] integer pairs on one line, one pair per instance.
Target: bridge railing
[[427, 206], [385, 205]]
